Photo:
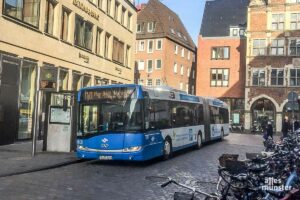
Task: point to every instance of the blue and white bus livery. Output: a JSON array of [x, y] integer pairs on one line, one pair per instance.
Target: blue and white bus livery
[[133, 122]]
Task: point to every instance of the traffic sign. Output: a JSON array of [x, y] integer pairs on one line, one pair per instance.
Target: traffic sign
[[292, 96]]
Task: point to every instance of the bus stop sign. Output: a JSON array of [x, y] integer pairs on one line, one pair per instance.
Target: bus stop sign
[[292, 96]]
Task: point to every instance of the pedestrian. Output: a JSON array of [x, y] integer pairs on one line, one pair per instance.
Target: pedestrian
[[269, 130], [285, 127], [296, 124]]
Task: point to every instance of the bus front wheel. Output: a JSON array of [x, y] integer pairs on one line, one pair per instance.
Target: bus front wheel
[[167, 149]]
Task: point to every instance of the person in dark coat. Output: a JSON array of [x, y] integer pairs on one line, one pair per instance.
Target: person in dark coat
[[296, 124], [270, 130], [285, 127]]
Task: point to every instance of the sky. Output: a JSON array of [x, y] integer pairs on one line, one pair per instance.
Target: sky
[[190, 13]]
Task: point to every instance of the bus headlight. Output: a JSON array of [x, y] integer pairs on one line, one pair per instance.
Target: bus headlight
[[132, 149], [81, 148]]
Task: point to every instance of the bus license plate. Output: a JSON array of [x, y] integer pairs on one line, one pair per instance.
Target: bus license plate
[[105, 157]]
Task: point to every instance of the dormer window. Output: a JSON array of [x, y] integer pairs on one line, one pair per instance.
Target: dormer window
[[184, 37], [242, 32], [179, 34], [235, 32], [150, 27]]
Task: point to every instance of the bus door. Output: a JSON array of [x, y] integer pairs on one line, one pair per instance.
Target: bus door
[[206, 121]]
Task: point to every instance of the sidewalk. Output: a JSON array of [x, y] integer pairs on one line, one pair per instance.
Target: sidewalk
[[16, 158]]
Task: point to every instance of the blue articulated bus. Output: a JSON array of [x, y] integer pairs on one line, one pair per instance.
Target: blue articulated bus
[[134, 122]]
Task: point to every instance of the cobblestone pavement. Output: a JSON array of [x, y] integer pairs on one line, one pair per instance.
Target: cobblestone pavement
[[123, 180]]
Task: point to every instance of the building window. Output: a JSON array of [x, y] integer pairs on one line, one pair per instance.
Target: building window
[[63, 80], [172, 30], [149, 66], [294, 77], [295, 21], [181, 70], [141, 45], [182, 52], [83, 33], [188, 72], [258, 77], [159, 44], [100, 4], [127, 56], [24, 10], [86, 80], [150, 46], [235, 32], [108, 7], [98, 42], [49, 16], [150, 27], [175, 67], [116, 17], [176, 49], [219, 77], [220, 53], [77, 81], [141, 65], [123, 16], [193, 74], [187, 88], [129, 19], [158, 64], [106, 45], [294, 1], [242, 32], [158, 82], [139, 28], [189, 55], [277, 47], [277, 21], [294, 47], [149, 82], [65, 24], [277, 76], [118, 51], [259, 47]]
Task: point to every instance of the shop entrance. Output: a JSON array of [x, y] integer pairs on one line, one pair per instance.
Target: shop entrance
[[263, 111], [9, 93]]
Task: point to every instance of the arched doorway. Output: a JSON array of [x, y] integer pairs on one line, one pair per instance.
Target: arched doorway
[[262, 111], [287, 111]]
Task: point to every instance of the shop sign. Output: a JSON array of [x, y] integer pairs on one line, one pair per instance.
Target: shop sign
[[86, 9], [48, 78], [84, 57]]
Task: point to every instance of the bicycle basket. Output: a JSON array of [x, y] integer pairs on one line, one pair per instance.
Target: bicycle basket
[[252, 156], [235, 167], [224, 157]]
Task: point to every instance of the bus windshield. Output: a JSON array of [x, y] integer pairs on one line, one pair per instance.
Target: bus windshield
[[111, 116]]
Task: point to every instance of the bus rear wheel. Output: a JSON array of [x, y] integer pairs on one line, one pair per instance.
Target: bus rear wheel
[[199, 141], [167, 149]]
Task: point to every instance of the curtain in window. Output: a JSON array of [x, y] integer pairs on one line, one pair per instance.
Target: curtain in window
[[65, 24], [79, 32], [31, 11], [49, 17], [115, 49], [88, 36], [121, 52]]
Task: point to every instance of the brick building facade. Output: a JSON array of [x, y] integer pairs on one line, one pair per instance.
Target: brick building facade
[[165, 52], [221, 55], [273, 50]]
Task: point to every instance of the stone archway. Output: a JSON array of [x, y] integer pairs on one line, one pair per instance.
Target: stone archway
[[262, 111]]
